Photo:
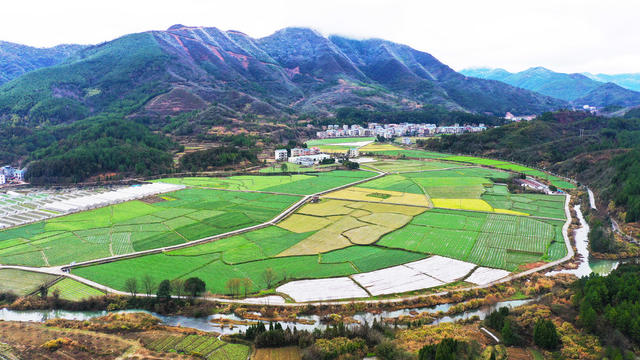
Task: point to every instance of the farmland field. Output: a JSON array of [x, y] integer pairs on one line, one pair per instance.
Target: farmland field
[[411, 165], [423, 208], [308, 253], [362, 193], [209, 347], [340, 149], [534, 204], [283, 353], [418, 154], [294, 184], [72, 290], [22, 282], [493, 240], [379, 147], [188, 215], [341, 140], [291, 167]]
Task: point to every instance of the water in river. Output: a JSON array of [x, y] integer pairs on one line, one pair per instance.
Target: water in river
[[588, 264], [205, 323]]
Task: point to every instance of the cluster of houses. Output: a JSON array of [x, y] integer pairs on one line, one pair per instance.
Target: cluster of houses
[[11, 175], [309, 156], [534, 184], [301, 156], [389, 131]]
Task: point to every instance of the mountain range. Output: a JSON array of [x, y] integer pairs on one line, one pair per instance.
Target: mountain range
[[578, 89], [293, 71], [16, 59], [629, 81]]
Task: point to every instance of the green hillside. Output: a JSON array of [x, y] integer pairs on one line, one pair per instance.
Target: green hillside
[[116, 77]]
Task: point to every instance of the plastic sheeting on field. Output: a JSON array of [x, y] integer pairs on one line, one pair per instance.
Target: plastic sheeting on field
[[110, 197]]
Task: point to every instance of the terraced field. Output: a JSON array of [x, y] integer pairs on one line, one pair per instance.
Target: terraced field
[[175, 218]]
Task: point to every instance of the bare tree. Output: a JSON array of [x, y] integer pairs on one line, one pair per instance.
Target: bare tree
[[268, 276], [233, 286], [247, 284], [148, 284], [178, 287], [131, 284]]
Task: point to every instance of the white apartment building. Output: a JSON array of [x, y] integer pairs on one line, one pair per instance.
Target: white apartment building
[[281, 155]]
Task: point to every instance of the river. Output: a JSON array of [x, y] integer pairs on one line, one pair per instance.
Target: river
[[588, 264], [205, 324]]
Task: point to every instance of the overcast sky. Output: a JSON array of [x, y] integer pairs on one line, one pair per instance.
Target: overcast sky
[[563, 35]]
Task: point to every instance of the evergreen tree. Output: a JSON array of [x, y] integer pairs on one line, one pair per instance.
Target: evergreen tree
[[164, 291], [545, 334], [194, 286], [508, 336]]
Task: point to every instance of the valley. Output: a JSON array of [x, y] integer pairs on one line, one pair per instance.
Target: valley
[[303, 194]]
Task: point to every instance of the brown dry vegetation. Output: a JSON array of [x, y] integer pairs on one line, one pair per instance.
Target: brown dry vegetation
[[28, 341], [108, 337], [285, 353]]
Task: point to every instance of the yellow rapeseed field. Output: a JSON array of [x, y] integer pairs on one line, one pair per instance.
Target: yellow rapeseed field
[[462, 204], [379, 147], [383, 196]]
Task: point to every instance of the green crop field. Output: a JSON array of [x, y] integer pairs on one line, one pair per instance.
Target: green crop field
[[494, 240], [296, 248], [191, 214], [393, 183], [72, 290], [316, 142], [558, 182], [411, 165], [230, 352], [461, 183], [208, 347], [214, 271], [418, 154], [357, 229], [291, 167], [551, 206], [475, 160], [562, 184], [22, 282], [369, 258]]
